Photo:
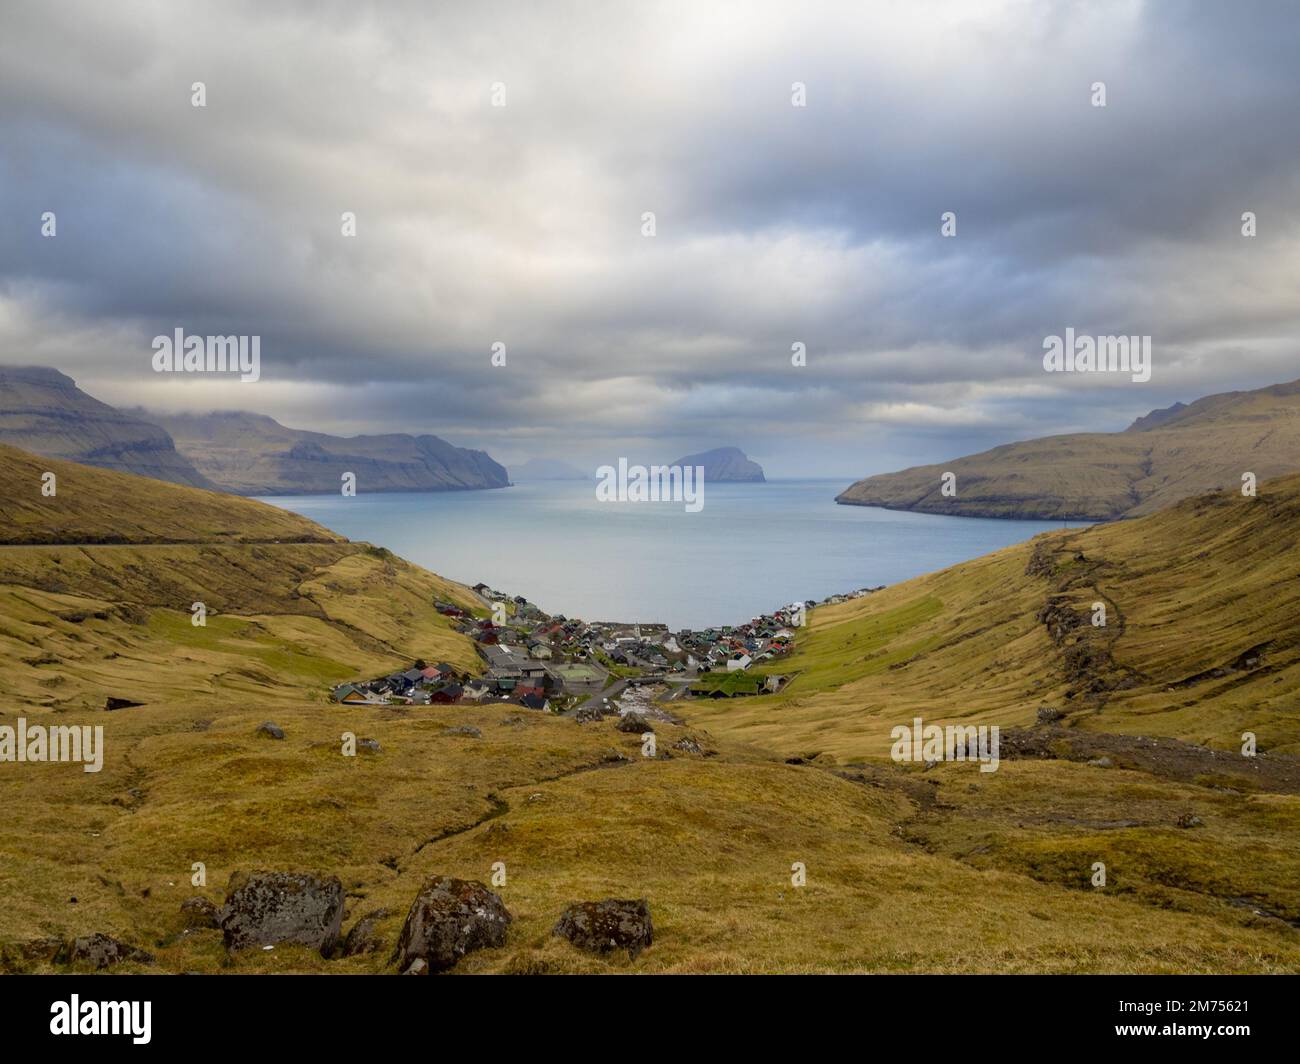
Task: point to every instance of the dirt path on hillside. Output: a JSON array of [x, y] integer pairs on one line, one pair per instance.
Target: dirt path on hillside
[[1170, 759]]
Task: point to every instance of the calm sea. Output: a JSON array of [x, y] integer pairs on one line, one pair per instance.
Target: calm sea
[[752, 548]]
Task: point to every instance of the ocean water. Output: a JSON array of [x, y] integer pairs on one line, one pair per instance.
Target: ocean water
[[752, 548]]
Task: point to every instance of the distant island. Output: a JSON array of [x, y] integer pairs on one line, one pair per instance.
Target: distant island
[[1163, 457], [725, 464], [547, 469]]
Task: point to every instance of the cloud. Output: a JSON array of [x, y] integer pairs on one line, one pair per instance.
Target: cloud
[[774, 224]]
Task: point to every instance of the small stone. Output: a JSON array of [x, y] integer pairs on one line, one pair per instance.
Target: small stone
[[363, 937], [633, 723], [199, 912], [271, 731], [100, 951]]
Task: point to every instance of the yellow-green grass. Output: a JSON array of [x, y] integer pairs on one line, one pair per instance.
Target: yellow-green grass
[[709, 841], [1187, 592], [907, 871], [97, 505]]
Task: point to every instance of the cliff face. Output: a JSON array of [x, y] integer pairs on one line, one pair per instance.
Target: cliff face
[[44, 412], [1161, 458], [251, 454], [725, 464]]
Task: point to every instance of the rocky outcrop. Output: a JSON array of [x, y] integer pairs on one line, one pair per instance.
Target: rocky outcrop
[[448, 919], [267, 908], [44, 412], [723, 464], [605, 926], [251, 454]]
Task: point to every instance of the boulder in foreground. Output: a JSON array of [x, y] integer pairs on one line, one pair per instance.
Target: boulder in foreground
[[605, 926], [448, 919], [267, 908]]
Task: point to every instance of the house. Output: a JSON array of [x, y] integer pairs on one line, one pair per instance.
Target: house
[[539, 650], [442, 696], [397, 682], [351, 695], [740, 661], [534, 701], [431, 673]]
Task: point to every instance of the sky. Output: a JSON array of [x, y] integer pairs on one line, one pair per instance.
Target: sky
[[500, 160]]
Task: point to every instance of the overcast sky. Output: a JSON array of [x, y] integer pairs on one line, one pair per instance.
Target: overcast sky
[[775, 224]]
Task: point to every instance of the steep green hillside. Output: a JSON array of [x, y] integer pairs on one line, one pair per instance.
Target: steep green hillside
[[1201, 640], [97, 584]]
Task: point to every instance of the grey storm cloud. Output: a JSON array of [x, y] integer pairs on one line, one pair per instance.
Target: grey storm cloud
[[774, 223]]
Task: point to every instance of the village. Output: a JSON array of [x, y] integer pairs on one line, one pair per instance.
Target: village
[[563, 665]]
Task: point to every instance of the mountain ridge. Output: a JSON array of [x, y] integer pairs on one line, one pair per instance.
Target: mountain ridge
[[1161, 458], [44, 412], [247, 453]]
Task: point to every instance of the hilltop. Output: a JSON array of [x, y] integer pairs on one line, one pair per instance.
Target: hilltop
[[725, 464], [252, 454], [43, 411], [1161, 458]]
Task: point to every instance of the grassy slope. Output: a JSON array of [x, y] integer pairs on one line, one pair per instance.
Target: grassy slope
[[291, 606], [1103, 475], [1188, 591], [96, 506], [895, 881]]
